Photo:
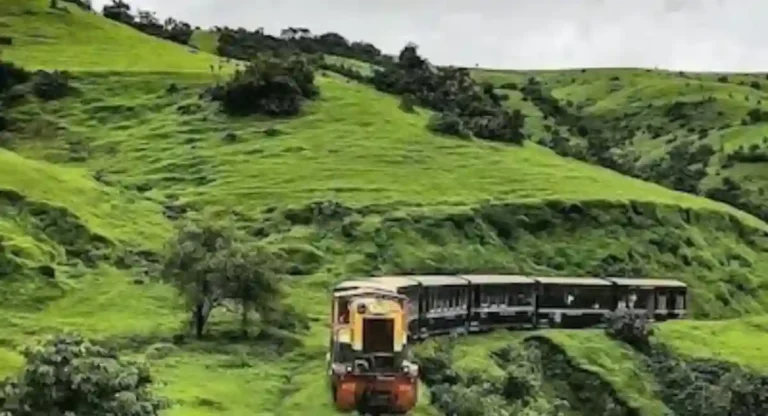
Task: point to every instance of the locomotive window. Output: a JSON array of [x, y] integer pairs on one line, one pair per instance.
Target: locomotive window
[[342, 314]]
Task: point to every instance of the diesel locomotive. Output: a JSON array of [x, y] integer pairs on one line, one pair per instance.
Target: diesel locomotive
[[374, 320]]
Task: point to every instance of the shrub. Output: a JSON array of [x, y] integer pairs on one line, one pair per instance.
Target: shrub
[[630, 326], [408, 103], [11, 75], [51, 85], [448, 123], [68, 375], [450, 91], [269, 85]]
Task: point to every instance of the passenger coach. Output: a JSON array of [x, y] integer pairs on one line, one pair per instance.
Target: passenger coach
[[440, 304]]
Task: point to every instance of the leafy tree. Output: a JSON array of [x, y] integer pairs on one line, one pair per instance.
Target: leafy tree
[[67, 375], [210, 265], [270, 85], [454, 93], [249, 276]]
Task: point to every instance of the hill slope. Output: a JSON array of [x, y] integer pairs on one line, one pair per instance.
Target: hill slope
[[658, 113], [353, 186]]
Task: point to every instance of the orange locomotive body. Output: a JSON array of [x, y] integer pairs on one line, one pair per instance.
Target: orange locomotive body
[[368, 365]]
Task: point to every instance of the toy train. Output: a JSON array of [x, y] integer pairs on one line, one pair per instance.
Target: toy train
[[374, 319]]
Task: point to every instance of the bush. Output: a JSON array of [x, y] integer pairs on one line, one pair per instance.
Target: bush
[[450, 91], [408, 103], [68, 375], [11, 75], [448, 123], [51, 85], [753, 154], [704, 387], [630, 326], [270, 85]]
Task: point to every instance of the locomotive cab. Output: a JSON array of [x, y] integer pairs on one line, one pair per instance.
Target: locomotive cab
[[369, 368]]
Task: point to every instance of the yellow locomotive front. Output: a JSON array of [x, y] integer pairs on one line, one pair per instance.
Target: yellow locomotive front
[[368, 366]]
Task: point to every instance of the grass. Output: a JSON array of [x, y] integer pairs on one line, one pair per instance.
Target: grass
[[636, 100], [616, 363], [118, 215], [590, 350], [352, 145], [111, 157], [741, 341], [205, 41], [90, 42]]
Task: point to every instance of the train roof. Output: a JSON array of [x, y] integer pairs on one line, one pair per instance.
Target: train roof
[[628, 281], [485, 279], [358, 284], [394, 282], [580, 281], [362, 291], [438, 280]]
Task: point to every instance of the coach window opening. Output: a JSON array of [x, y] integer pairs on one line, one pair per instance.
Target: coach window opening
[[680, 301], [484, 298], [661, 300], [569, 297], [631, 299], [342, 316]]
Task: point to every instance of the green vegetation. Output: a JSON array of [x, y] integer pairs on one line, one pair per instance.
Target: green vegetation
[[94, 182], [697, 132], [68, 375], [45, 39]]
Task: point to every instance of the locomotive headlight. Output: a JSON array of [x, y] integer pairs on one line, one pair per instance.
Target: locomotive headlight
[[338, 368], [410, 369], [361, 308]]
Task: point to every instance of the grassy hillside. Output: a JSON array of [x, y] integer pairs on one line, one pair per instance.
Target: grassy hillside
[[92, 42], [91, 186], [657, 110]]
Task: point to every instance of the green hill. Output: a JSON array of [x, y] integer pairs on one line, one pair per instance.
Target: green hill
[[91, 186], [655, 111]]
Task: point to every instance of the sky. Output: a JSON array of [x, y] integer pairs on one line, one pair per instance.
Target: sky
[[692, 35]]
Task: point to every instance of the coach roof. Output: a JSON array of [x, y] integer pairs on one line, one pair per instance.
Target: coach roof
[[438, 280], [581, 281], [486, 279], [628, 281]]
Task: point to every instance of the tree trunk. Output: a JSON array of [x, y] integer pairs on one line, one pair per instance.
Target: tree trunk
[[54, 4], [200, 316], [244, 318], [199, 320]]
